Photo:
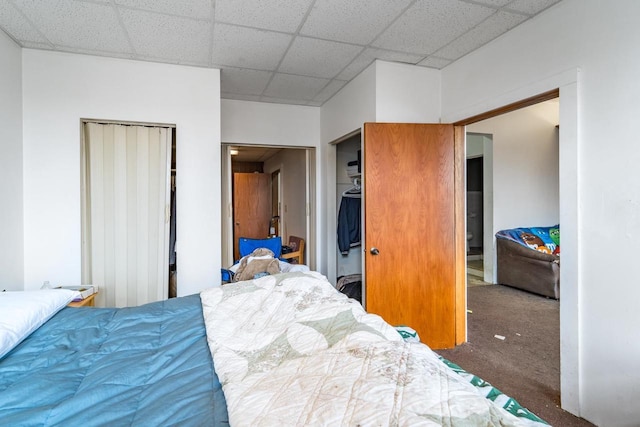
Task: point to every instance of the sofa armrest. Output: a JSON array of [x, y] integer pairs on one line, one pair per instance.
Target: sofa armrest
[[525, 251]]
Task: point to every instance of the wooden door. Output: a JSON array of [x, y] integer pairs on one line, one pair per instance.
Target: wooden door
[[411, 214], [251, 207]]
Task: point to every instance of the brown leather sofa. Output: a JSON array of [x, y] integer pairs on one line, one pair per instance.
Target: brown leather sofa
[[528, 269]]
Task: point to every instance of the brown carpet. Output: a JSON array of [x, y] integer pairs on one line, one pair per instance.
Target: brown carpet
[[525, 365]]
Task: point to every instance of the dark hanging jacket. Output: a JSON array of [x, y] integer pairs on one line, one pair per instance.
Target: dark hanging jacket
[[349, 224]]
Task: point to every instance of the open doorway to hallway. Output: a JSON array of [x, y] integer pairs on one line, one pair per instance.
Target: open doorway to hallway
[[267, 191]]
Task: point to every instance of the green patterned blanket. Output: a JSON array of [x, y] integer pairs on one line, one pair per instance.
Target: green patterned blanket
[[291, 350]]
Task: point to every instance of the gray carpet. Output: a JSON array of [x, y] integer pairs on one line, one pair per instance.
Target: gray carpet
[[526, 363]]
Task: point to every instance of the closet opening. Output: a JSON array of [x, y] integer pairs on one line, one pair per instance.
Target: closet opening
[[349, 257], [127, 198]]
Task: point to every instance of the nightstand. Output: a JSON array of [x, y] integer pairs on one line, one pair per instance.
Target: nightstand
[[87, 302]]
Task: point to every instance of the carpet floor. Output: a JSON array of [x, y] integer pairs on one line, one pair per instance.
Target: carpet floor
[[514, 344]]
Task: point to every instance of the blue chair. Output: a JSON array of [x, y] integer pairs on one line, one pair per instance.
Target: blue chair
[[246, 246]]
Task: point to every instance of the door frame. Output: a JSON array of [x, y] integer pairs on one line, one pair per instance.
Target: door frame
[[227, 200], [566, 85]]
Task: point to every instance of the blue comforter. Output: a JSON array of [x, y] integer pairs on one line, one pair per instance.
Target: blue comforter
[[147, 366]]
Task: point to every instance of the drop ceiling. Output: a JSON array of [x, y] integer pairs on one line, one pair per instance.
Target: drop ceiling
[[283, 51]]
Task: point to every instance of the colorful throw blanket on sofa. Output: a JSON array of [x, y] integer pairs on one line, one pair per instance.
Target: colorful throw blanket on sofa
[[542, 239], [291, 350]]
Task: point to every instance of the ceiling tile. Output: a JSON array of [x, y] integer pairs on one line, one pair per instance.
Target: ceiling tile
[[494, 3], [354, 21], [435, 62], [248, 47], [243, 81], [430, 24], [201, 9], [279, 15], [329, 90], [531, 6], [284, 100], [488, 30], [77, 24], [287, 86], [17, 26], [371, 54], [170, 37], [318, 58]]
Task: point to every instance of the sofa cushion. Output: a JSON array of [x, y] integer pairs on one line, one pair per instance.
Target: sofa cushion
[[542, 239]]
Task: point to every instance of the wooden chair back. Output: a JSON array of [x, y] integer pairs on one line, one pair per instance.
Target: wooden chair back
[[297, 255]]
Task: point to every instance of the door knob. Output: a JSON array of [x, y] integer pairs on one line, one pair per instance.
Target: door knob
[[374, 251]]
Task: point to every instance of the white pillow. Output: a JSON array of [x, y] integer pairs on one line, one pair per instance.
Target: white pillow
[[22, 312]]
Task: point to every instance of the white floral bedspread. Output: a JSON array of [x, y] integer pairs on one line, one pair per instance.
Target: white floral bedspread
[[291, 350]]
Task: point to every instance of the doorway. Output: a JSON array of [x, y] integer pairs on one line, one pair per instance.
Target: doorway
[[521, 158], [288, 195]]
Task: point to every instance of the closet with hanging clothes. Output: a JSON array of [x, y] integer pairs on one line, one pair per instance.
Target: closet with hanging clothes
[[349, 217]]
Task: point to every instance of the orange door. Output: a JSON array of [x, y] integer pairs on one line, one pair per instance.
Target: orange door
[[251, 207], [410, 228]]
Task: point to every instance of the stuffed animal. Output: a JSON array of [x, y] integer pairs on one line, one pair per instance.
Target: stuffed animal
[[257, 263]]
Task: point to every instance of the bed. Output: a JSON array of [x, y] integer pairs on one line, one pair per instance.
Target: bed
[[285, 349]]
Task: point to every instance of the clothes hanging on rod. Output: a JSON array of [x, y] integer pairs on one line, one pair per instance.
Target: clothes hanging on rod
[[349, 217], [355, 191]]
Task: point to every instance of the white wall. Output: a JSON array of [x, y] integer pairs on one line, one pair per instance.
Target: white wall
[[11, 185], [406, 93], [599, 182], [525, 168], [292, 164], [248, 122], [59, 90]]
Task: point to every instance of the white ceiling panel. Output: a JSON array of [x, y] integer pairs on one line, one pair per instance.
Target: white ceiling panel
[[531, 6], [18, 26], [248, 48], [201, 9], [285, 100], [317, 58], [77, 24], [288, 51], [492, 3], [277, 15], [369, 55], [329, 90], [163, 36], [288, 86], [486, 31], [353, 21], [243, 81], [429, 25]]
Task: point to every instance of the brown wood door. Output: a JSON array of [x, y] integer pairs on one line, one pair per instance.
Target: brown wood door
[[410, 218], [251, 207]]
